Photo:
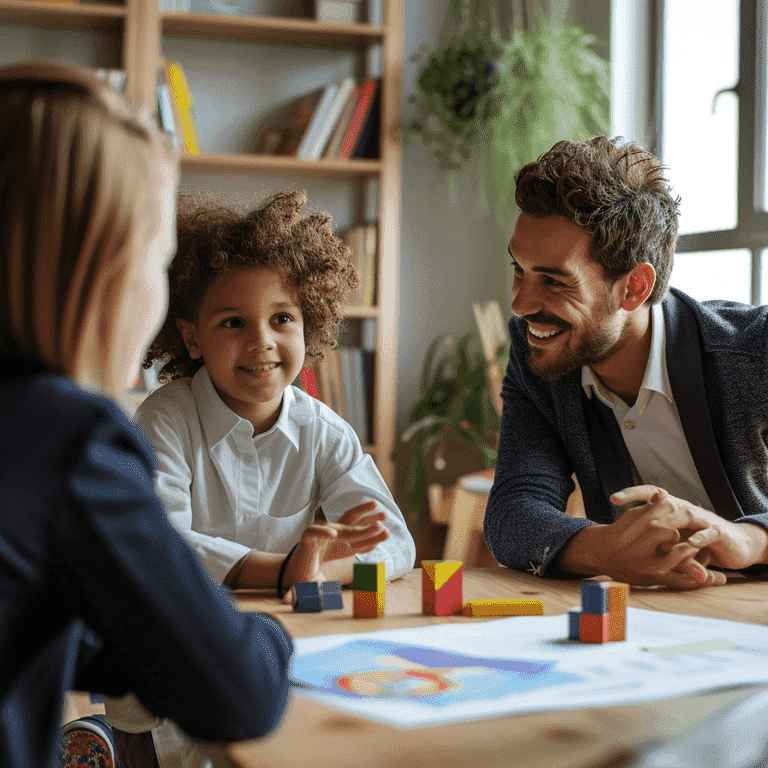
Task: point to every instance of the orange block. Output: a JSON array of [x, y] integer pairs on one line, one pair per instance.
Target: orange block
[[593, 627], [617, 612], [367, 605]]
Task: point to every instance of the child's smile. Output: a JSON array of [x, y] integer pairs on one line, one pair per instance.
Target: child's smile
[[250, 334]]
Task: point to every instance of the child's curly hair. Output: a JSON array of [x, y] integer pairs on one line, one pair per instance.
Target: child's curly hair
[[214, 240]]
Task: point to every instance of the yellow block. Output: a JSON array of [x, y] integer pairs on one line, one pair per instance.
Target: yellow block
[[518, 607], [439, 571]]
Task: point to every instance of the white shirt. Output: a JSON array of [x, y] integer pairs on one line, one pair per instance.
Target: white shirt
[[651, 428], [228, 492]]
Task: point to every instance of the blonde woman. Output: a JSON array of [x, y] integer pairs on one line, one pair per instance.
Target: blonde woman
[[97, 591]]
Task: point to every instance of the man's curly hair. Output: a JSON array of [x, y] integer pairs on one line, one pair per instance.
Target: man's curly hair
[[214, 240], [614, 190]]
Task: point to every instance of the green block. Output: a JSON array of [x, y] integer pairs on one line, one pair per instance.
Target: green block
[[368, 577]]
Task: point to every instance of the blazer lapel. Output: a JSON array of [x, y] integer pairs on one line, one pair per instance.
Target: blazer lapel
[[687, 379]]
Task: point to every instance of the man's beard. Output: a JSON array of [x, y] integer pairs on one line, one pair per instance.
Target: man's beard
[[598, 344]]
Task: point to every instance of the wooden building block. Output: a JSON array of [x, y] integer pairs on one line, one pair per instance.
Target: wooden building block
[[594, 597], [593, 628], [367, 605], [330, 591], [514, 607], [617, 612], [441, 587], [574, 630], [368, 577], [308, 597]]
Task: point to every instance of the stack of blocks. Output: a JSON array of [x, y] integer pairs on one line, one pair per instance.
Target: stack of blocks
[[441, 592], [313, 596], [602, 617], [368, 585]]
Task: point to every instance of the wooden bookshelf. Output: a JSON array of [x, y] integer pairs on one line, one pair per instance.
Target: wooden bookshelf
[[142, 29]]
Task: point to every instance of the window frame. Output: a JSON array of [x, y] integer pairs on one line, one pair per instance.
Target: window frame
[[751, 230]]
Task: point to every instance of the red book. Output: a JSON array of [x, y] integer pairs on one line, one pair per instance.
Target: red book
[[367, 92], [308, 382]]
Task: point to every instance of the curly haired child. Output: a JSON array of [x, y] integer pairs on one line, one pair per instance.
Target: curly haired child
[[244, 459]]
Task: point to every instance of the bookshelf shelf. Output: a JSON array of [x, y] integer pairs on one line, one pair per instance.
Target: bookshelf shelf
[[266, 29], [270, 165], [89, 16]]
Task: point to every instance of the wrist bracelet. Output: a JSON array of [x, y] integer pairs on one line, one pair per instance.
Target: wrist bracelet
[[280, 591]]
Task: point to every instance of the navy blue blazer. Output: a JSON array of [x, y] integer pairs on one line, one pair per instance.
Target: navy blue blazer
[[98, 592], [717, 359]]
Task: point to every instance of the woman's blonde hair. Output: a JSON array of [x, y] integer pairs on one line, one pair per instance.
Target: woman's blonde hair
[[77, 170]]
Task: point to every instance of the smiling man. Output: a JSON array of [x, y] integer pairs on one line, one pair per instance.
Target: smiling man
[[657, 403]]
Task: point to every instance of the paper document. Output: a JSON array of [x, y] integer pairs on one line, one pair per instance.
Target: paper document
[[453, 672]]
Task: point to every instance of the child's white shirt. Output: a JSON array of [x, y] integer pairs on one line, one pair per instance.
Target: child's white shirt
[[227, 491]]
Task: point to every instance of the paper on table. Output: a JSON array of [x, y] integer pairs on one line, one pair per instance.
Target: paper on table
[[453, 672]]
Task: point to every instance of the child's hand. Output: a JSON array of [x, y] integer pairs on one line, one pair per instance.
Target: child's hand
[[356, 532]]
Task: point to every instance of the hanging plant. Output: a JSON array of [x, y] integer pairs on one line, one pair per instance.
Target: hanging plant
[[551, 86], [456, 84]]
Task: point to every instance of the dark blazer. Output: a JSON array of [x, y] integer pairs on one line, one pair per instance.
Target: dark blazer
[[717, 359], [98, 592]]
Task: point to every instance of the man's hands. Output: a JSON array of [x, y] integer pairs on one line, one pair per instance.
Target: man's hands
[[356, 532], [663, 540]]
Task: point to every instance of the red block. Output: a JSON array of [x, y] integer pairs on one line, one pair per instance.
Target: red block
[[447, 599], [593, 628]]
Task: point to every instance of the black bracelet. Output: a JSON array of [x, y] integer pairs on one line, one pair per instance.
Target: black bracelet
[[280, 591]]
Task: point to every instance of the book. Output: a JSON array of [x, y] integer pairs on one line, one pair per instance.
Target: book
[[355, 239], [340, 132], [368, 358], [281, 132], [315, 124], [354, 390], [185, 105], [368, 90], [165, 108], [182, 145], [329, 382], [309, 382], [370, 263], [345, 89], [367, 144]]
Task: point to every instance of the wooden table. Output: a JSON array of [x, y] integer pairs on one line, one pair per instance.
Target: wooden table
[[313, 735]]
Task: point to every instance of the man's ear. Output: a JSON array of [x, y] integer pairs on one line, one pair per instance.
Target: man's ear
[[639, 286], [188, 332]]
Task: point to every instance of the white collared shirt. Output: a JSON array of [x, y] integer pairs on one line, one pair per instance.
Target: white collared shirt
[[228, 492], [651, 428]]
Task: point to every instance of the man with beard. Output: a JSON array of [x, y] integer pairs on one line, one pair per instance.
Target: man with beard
[[656, 402]]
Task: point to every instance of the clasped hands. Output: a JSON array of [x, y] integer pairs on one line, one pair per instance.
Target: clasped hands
[[356, 532], [663, 540]]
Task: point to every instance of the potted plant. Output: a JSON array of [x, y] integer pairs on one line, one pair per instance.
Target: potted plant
[[456, 83], [506, 89], [454, 405], [551, 86]]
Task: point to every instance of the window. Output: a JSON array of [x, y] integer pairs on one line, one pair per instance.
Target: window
[[713, 132]]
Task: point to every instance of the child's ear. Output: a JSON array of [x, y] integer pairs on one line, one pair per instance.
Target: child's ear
[[188, 332]]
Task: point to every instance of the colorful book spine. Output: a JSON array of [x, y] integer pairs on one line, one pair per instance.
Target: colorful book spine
[[185, 104], [367, 92]]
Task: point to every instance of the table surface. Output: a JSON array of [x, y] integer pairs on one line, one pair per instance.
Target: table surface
[[316, 735]]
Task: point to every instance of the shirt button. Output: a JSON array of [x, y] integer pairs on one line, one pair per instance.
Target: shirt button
[[629, 424]]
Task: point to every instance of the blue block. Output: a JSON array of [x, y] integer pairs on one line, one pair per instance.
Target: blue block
[[331, 595], [307, 589], [309, 604], [573, 623], [594, 597]]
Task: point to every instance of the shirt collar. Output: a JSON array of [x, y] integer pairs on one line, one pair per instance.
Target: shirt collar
[[656, 377], [219, 420]]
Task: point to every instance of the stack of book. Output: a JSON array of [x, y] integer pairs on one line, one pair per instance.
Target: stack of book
[[344, 381], [363, 243], [340, 120]]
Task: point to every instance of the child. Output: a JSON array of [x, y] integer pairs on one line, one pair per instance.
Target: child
[[244, 459], [97, 590]]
